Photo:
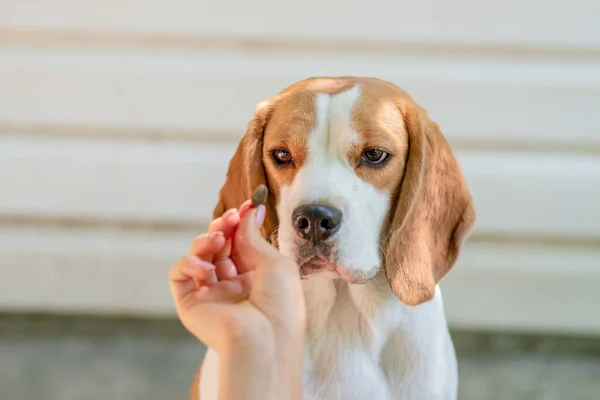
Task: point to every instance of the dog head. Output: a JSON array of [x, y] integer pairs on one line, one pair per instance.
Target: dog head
[[360, 179]]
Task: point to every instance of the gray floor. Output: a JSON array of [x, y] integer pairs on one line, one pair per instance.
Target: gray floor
[[81, 358]]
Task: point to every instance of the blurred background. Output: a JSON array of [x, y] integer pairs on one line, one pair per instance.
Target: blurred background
[[118, 119]]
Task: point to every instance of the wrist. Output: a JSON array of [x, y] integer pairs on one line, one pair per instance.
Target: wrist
[[247, 371], [290, 359], [261, 369], [252, 347]]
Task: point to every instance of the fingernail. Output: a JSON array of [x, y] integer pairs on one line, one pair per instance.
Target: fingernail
[[215, 234], [199, 263], [245, 207], [260, 215], [232, 217], [229, 212]]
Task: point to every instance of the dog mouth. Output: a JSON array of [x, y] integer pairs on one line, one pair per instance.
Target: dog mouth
[[324, 258], [315, 264], [326, 265]]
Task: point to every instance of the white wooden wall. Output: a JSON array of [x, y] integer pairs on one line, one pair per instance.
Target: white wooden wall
[[118, 118]]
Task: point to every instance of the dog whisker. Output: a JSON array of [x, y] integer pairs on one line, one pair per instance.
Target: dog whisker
[[274, 237], [383, 252]]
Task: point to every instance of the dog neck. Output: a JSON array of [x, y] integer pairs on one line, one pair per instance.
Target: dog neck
[[340, 309], [364, 336], [347, 325]]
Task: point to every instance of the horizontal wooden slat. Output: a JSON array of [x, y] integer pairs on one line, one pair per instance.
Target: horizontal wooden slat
[[214, 92], [525, 287], [88, 270], [524, 194], [103, 180], [124, 272], [463, 21], [552, 195]]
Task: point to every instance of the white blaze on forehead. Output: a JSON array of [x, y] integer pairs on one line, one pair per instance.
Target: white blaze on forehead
[[328, 177], [334, 123]]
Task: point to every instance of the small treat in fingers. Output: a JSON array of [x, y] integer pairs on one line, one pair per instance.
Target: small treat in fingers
[[260, 195]]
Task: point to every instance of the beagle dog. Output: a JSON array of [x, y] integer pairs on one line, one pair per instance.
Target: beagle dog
[[369, 200]]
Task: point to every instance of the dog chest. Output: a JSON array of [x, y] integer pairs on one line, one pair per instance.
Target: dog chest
[[346, 333]]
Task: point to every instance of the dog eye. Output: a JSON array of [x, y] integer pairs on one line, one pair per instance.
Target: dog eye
[[374, 156], [281, 156]]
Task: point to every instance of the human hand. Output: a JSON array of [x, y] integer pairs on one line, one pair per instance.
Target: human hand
[[239, 295]]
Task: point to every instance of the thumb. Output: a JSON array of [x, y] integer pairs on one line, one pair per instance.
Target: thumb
[[250, 249], [276, 288]]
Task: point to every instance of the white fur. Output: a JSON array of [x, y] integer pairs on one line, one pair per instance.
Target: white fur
[[328, 177], [361, 342]]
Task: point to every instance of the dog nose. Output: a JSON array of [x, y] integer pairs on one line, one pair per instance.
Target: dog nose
[[316, 221]]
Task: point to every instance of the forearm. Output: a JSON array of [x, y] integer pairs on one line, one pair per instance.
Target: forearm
[[289, 361], [260, 372], [247, 373], [288, 384]]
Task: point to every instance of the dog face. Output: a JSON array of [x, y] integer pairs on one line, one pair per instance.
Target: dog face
[[335, 167], [360, 179]]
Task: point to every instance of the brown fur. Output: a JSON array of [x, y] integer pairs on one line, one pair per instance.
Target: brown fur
[[246, 171], [433, 209], [433, 215]]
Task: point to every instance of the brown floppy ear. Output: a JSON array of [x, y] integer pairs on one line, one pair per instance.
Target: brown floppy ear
[[434, 212], [246, 170]]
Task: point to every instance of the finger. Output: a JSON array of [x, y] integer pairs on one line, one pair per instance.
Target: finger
[[188, 267], [207, 245], [225, 267], [247, 205], [186, 272], [216, 322], [231, 290], [250, 248], [226, 223], [199, 306]]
